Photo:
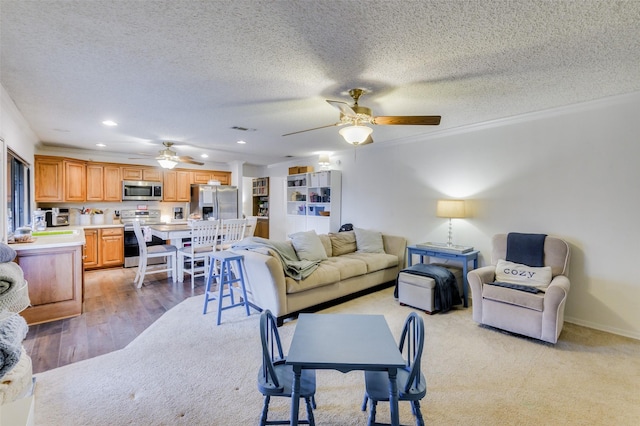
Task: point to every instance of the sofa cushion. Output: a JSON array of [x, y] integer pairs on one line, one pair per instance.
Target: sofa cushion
[[368, 241], [375, 261], [533, 301], [308, 246], [516, 273], [348, 267], [326, 243], [343, 243], [324, 274]]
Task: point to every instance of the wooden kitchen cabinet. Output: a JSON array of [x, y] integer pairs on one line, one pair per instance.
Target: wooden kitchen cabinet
[[55, 279], [262, 228], [49, 179], [223, 177], [176, 185], [103, 182], [104, 247], [90, 248], [204, 176], [141, 173], [200, 176], [75, 180], [111, 247], [59, 179]]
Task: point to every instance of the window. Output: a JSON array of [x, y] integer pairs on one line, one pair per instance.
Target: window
[[18, 192]]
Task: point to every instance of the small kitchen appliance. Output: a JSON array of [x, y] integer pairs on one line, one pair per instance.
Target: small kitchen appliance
[[38, 221], [178, 213], [57, 216]]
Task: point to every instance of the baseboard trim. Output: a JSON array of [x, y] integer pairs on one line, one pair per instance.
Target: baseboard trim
[[600, 327]]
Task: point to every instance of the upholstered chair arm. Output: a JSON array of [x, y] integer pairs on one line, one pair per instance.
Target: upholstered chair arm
[[395, 245], [265, 281], [476, 278], [553, 314]]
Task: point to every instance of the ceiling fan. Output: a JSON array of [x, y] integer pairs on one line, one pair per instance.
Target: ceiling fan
[[357, 116], [168, 158]]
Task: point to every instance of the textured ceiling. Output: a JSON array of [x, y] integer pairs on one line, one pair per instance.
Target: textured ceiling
[[188, 71]]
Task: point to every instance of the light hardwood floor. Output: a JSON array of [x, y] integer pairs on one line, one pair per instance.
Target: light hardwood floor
[[115, 312]]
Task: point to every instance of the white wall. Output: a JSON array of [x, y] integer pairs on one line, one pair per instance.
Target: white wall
[[18, 137], [570, 172]]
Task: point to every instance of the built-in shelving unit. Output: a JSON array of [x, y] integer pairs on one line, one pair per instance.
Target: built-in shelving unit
[[260, 193], [314, 201]]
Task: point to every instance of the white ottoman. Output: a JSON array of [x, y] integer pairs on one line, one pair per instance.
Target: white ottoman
[[419, 291]]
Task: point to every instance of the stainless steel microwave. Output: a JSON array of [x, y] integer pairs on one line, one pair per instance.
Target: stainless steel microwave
[[140, 190]]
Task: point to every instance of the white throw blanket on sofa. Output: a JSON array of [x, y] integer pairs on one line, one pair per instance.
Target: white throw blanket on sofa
[[283, 250]]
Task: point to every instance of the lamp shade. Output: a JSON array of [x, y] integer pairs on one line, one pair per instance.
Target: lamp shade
[[451, 209], [167, 163], [323, 160], [355, 134]]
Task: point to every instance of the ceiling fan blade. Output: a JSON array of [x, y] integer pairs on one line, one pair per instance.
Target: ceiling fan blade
[[343, 107], [339, 123], [189, 161], [430, 120], [183, 157], [367, 141]]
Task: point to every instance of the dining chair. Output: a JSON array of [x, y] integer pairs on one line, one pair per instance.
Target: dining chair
[[204, 237], [163, 250], [232, 232], [275, 377], [250, 230], [412, 385]]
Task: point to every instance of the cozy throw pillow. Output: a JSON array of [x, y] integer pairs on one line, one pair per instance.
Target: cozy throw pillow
[[308, 246], [369, 241], [343, 243], [517, 273]]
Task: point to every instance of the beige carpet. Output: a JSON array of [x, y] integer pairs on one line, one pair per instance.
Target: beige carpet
[[185, 370]]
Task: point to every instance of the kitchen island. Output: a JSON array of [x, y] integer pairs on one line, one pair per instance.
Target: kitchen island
[[52, 266]]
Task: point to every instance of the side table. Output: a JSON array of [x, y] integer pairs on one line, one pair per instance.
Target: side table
[[465, 258]]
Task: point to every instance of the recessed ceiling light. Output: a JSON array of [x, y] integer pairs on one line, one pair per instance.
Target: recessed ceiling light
[[204, 156], [101, 145], [109, 123], [241, 142]]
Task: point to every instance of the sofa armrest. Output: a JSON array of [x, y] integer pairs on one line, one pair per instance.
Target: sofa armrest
[[265, 281], [397, 246], [476, 278], [553, 313]]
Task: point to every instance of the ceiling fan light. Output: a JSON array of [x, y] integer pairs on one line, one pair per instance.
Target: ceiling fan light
[[167, 163], [355, 134]]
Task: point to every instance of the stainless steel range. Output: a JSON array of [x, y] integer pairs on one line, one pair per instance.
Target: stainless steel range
[[131, 249]]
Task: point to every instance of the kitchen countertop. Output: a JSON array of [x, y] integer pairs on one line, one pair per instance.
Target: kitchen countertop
[[110, 225], [75, 238]]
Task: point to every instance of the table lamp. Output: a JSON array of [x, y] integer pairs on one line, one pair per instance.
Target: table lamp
[[451, 209]]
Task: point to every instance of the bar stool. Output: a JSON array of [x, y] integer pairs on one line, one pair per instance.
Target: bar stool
[[220, 269]]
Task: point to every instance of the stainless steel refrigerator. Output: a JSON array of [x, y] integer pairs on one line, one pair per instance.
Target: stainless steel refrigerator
[[214, 201]]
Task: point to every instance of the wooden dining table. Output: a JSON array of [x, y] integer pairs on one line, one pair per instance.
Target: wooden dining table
[[172, 233], [175, 233], [344, 342]]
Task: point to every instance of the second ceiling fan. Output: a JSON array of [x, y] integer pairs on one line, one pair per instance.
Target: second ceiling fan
[[357, 116]]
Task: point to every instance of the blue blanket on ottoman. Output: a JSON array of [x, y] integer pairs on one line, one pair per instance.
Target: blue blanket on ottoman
[[446, 294]]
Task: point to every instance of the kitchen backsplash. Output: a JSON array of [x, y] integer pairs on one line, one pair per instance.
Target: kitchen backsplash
[[109, 209]]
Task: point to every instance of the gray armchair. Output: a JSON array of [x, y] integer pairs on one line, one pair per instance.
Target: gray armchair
[[537, 315]]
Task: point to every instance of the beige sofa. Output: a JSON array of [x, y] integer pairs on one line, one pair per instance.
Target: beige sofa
[[344, 272]]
